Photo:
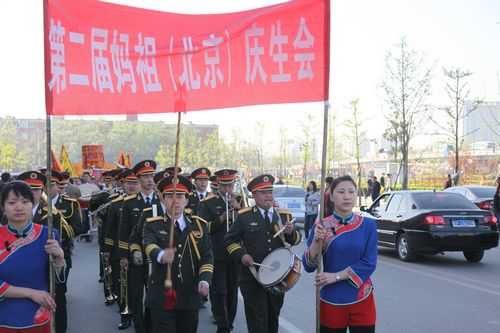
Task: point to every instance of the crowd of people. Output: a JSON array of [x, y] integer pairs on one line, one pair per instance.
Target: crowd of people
[[170, 241]]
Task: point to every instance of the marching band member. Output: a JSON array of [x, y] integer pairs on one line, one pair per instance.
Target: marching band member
[[255, 228], [133, 206], [349, 251], [224, 291], [191, 260], [200, 176], [112, 244], [25, 304]]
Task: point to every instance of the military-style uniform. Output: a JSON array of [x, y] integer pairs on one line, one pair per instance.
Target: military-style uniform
[[252, 235], [193, 263], [133, 206], [195, 198], [224, 291]]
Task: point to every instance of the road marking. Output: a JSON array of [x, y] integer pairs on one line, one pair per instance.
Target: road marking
[[285, 324], [486, 284], [441, 278]]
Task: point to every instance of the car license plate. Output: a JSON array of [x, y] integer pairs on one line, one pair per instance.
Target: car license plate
[[293, 205], [463, 223]]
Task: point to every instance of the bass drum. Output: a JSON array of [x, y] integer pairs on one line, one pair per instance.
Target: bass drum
[[280, 271]]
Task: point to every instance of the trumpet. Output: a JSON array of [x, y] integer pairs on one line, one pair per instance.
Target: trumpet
[[124, 292], [108, 281], [108, 190]]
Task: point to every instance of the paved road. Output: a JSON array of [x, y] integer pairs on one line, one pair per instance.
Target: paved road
[[441, 293]]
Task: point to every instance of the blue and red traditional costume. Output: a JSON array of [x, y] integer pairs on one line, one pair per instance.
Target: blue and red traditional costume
[[349, 245], [24, 263]]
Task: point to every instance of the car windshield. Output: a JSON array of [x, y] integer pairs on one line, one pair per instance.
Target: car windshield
[[442, 200], [483, 192], [289, 192]]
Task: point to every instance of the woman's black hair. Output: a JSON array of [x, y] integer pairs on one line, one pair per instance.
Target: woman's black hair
[[337, 181], [315, 186], [21, 189]]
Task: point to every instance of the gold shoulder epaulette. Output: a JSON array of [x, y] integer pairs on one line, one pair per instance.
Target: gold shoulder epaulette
[[113, 196], [130, 197], [244, 210], [154, 219], [147, 209], [188, 211], [196, 217], [284, 211], [120, 198], [210, 196], [65, 197]]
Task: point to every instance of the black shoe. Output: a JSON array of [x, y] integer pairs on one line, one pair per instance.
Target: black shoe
[[101, 280], [126, 321], [108, 303]]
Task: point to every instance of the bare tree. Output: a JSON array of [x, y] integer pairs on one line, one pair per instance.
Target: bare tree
[[333, 143], [406, 86], [355, 125], [283, 151], [460, 107]]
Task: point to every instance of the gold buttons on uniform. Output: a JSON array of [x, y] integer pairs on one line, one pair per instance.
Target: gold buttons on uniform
[[180, 245], [179, 255], [269, 241]]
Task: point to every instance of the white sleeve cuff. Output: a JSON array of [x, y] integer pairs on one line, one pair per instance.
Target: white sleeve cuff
[[160, 256]]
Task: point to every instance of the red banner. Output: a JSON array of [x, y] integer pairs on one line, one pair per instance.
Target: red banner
[[103, 58]]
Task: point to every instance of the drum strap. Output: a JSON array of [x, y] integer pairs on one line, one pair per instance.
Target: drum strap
[[281, 235]]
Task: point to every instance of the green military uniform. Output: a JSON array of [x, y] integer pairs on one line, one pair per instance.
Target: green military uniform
[[193, 263], [224, 291]]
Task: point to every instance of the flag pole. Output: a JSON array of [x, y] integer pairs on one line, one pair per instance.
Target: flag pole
[[322, 208], [49, 218], [326, 87]]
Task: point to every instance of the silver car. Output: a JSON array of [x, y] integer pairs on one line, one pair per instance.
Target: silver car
[[291, 198]]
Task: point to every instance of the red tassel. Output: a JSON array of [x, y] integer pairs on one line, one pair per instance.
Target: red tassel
[[170, 298]]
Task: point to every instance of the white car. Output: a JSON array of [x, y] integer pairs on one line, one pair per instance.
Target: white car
[[291, 198]]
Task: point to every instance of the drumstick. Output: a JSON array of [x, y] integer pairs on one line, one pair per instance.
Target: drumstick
[[262, 265], [282, 229]]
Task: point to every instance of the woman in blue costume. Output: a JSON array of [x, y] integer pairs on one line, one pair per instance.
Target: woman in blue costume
[[349, 250], [25, 304]]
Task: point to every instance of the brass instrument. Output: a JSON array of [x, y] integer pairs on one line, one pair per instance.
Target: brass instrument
[[124, 292], [243, 193], [108, 280], [44, 202]]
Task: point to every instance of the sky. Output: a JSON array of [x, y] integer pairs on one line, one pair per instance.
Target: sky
[[452, 33]]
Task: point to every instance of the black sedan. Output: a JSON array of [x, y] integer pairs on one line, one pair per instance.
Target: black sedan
[[432, 222], [481, 196]]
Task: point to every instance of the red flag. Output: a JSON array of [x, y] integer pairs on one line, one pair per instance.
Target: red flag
[[55, 165], [121, 159], [103, 58]]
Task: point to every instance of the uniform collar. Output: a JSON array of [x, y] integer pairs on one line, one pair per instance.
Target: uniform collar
[[23, 233], [262, 211], [56, 198], [344, 220], [181, 221]]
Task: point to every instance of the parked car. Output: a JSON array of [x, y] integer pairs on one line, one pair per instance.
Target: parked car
[[291, 198], [431, 222], [481, 196]]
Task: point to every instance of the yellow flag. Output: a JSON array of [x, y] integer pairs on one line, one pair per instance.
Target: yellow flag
[[66, 164]]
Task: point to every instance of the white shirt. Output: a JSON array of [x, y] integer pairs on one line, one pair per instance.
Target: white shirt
[[33, 211], [202, 193], [270, 212], [54, 201], [150, 196]]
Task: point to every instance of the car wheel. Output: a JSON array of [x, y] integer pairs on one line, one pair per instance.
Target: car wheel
[[474, 256], [405, 252]]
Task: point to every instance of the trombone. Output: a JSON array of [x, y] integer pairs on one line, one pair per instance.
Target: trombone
[[124, 292], [108, 280]]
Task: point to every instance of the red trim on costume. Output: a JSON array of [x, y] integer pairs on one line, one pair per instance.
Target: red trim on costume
[[179, 188], [144, 170], [262, 186], [17, 243], [34, 182], [3, 288]]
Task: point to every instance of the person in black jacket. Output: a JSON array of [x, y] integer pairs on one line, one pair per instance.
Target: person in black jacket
[[376, 189], [496, 200]]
